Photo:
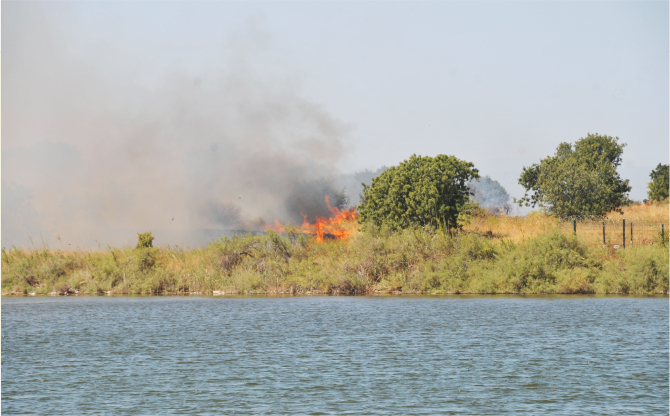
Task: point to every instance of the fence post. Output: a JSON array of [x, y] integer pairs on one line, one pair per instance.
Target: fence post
[[574, 226], [603, 232], [631, 233], [662, 233], [624, 233]]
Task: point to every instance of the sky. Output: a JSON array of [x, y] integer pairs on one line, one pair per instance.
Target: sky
[[199, 115]]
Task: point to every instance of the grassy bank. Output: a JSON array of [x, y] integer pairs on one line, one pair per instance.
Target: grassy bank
[[370, 261]]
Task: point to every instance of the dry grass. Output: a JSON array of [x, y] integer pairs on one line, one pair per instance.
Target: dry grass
[[516, 229], [495, 254], [646, 220], [654, 212]]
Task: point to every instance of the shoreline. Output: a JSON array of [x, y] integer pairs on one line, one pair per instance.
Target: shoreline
[[326, 294], [543, 259]]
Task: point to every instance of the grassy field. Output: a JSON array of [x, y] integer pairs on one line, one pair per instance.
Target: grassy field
[[646, 220], [492, 254]]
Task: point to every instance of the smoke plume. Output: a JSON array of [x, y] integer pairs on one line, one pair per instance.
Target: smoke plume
[[99, 152]]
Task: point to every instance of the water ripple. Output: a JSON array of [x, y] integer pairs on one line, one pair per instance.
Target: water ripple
[[335, 355]]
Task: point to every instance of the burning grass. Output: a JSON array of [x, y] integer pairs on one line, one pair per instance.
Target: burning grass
[[338, 226], [520, 255]]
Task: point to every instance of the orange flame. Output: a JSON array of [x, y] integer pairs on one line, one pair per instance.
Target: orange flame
[[324, 228]]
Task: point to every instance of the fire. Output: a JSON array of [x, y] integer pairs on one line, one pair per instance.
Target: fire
[[324, 228]]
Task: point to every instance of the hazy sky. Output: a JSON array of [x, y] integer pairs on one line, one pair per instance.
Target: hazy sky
[[113, 112]]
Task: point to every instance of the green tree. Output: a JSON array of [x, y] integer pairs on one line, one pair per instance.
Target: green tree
[[144, 251], [579, 180], [419, 191], [145, 240], [658, 187]]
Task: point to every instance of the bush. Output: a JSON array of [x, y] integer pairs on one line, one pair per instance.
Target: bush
[[420, 191], [536, 264], [413, 260], [144, 240]]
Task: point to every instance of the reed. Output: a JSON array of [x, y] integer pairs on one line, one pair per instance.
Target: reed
[[535, 254]]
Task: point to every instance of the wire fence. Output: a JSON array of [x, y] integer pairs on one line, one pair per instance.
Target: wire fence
[[615, 232]]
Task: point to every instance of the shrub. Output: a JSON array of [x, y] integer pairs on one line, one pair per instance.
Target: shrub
[[418, 192]]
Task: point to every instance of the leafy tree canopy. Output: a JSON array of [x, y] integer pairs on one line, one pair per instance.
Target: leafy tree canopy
[[419, 191], [578, 180], [658, 187]]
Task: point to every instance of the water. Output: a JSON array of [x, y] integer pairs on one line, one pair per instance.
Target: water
[[335, 355]]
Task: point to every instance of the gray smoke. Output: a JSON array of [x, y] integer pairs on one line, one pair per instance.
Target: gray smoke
[[352, 183], [491, 195], [92, 151], [306, 199], [226, 215]]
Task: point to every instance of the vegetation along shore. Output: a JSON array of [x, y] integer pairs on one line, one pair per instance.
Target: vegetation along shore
[[417, 229], [491, 254]]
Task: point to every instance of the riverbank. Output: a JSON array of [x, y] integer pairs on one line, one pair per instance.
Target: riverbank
[[421, 261]]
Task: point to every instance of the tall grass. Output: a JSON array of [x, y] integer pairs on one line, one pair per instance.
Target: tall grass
[[652, 212], [424, 260], [646, 219]]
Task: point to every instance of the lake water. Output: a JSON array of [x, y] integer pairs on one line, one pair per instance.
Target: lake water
[[335, 355]]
